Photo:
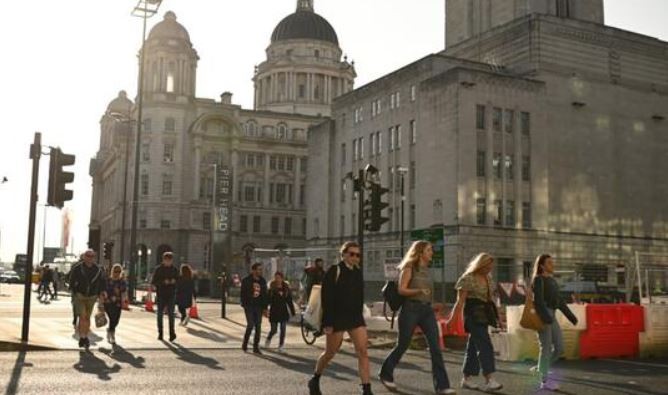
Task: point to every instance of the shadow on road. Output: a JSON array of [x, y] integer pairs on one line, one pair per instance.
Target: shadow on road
[[186, 355], [89, 363], [206, 335], [122, 355], [20, 363]]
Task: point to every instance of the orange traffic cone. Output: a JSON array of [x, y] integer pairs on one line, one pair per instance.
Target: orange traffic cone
[[193, 313], [126, 304], [148, 303]]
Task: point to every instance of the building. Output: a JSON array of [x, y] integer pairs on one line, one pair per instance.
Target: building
[[253, 161], [537, 130]]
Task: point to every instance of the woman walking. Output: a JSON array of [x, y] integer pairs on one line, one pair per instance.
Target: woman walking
[[547, 301], [474, 296], [342, 302], [280, 309], [185, 293], [416, 284], [116, 295]]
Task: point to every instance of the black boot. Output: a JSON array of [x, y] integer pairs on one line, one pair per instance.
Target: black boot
[[314, 385], [366, 389]]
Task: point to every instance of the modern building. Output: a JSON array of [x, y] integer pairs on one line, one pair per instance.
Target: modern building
[[211, 172], [538, 129]]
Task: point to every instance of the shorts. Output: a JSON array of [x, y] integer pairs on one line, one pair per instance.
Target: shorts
[[83, 305]]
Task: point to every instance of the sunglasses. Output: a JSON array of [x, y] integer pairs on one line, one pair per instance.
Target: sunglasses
[[89, 255], [354, 254]]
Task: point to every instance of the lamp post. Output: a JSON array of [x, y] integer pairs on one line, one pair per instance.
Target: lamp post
[[144, 9], [402, 172]]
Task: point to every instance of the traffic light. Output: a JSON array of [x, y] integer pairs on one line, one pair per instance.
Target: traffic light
[[366, 214], [58, 179], [377, 207], [106, 250]]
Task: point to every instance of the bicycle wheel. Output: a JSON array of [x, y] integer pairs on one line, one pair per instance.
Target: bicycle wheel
[[308, 334]]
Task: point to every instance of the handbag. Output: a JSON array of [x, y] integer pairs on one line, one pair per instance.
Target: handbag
[[530, 318], [100, 318], [484, 313]]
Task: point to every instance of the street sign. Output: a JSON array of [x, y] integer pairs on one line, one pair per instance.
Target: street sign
[[436, 238], [223, 198]]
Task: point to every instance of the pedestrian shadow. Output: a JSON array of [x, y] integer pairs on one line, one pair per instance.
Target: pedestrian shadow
[[90, 364], [12, 387], [186, 355], [206, 335], [212, 329], [122, 355], [334, 370]]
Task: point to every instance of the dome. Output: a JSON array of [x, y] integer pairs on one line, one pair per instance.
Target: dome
[[120, 105], [169, 28], [304, 24]]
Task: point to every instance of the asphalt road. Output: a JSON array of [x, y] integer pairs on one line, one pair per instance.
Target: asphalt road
[[197, 371]]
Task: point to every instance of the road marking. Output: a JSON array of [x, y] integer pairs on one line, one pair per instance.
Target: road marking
[[654, 365]]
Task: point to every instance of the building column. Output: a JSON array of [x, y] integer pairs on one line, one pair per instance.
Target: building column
[[309, 87], [296, 182], [265, 182]]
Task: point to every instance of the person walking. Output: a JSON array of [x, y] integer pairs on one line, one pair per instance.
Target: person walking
[[56, 280], [474, 296], [45, 286], [88, 284], [342, 304], [547, 301], [68, 276], [313, 275], [164, 281], [254, 302], [117, 294], [280, 309], [417, 286], [185, 293]]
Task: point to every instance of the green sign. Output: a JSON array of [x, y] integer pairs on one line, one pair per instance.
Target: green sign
[[435, 237]]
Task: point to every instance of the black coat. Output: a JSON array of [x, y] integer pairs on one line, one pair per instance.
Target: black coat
[[546, 295], [280, 303], [185, 292], [254, 292], [343, 298]]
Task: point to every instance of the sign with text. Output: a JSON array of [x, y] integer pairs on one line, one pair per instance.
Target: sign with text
[[223, 198], [436, 238]]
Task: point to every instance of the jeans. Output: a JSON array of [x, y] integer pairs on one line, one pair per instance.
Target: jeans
[[168, 304], [479, 351], [551, 345], [417, 314], [272, 332], [114, 313], [253, 321]]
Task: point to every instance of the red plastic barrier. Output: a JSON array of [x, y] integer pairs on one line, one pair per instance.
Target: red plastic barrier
[[612, 331]]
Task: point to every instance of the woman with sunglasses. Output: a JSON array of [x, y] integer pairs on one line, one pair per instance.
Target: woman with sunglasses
[[342, 304], [116, 295]]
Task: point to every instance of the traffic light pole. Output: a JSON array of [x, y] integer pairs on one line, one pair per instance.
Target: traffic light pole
[[35, 153], [359, 186]]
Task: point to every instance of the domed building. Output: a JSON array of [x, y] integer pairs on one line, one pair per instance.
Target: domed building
[[215, 181]]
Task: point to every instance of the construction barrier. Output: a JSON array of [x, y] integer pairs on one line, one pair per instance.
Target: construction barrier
[[517, 346], [580, 312], [148, 302], [612, 331], [654, 341]]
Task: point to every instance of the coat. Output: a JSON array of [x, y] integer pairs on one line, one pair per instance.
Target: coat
[[185, 292], [280, 302]]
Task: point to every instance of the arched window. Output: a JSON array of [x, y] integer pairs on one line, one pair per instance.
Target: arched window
[[171, 72], [282, 132], [251, 129]]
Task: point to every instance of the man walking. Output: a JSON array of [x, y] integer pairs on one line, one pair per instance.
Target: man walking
[[88, 284], [164, 284], [254, 302]]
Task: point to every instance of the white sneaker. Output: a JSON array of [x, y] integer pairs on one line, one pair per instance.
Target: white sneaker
[[468, 384], [549, 385], [446, 391], [491, 385], [390, 385], [281, 348]]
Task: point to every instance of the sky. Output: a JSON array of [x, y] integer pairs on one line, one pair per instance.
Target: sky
[[64, 61]]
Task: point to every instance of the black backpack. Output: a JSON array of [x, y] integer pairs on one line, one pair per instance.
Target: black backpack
[[393, 299]]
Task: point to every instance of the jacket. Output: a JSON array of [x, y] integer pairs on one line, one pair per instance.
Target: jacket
[[87, 281], [280, 303], [254, 292], [342, 297], [185, 292], [546, 296], [164, 280]]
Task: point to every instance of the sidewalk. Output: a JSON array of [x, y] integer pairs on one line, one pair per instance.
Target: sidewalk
[[51, 326]]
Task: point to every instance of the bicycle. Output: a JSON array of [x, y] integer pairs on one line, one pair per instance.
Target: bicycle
[[309, 333]]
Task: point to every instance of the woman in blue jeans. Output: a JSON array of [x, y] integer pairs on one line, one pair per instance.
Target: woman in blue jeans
[[547, 301], [474, 297], [416, 284]]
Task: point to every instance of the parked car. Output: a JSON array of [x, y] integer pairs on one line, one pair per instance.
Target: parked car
[[10, 277]]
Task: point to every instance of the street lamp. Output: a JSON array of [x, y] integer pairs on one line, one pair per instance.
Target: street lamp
[[402, 172], [144, 9]]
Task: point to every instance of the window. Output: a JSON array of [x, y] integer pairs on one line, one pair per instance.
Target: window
[[379, 142], [257, 224], [390, 175], [480, 164], [282, 133], [142, 223], [509, 167], [504, 270], [144, 184], [378, 106], [510, 213], [316, 53], [165, 224], [392, 98], [251, 129], [302, 91], [480, 117], [372, 144], [509, 124], [290, 164], [281, 163], [206, 221], [525, 123], [411, 220], [343, 154], [412, 175], [243, 223], [412, 132], [343, 190], [166, 185], [373, 108], [398, 99], [145, 152], [413, 93], [274, 225], [147, 124], [170, 124], [168, 153], [526, 215], [481, 211], [496, 165], [497, 115], [361, 148], [303, 162], [391, 137], [303, 226], [499, 212], [526, 168], [280, 193], [302, 194], [354, 150], [287, 226], [249, 192], [563, 9], [272, 162]]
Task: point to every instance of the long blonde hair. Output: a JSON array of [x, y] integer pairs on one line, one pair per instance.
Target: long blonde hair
[[478, 262], [412, 257], [116, 265]]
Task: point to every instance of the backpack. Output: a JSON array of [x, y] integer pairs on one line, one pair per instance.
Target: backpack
[[393, 299]]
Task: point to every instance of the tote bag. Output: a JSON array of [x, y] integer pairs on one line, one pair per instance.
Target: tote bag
[[530, 318]]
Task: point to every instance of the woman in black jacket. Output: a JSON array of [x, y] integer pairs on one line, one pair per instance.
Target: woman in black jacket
[[185, 293], [280, 308], [547, 301]]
